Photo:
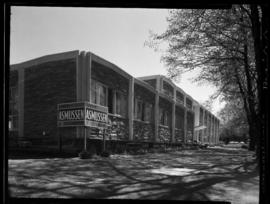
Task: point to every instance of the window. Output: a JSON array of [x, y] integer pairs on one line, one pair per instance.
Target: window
[[148, 112], [121, 104], [179, 120], [138, 109], [163, 116], [167, 89], [188, 103], [201, 116], [143, 111], [13, 108], [99, 93], [179, 97]]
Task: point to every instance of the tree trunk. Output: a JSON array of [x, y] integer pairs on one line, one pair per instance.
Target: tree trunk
[[252, 136]]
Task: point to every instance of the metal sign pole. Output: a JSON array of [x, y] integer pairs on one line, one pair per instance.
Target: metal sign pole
[[59, 140], [103, 140], [85, 139]]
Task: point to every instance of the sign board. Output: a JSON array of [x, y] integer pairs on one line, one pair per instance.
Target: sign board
[[82, 114]]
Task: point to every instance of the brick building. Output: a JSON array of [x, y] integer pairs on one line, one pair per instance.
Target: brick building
[[147, 109]]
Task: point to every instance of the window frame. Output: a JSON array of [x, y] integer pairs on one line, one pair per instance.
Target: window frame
[[119, 100], [150, 118], [98, 93], [137, 101], [164, 117]]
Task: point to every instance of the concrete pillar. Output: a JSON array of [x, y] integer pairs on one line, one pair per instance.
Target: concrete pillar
[[156, 115], [79, 75], [206, 125], [83, 79], [161, 84], [173, 115], [130, 107], [185, 120], [88, 66], [173, 122], [211, 134], [218, 132], [215, 130], [21, 103], [80, 94], [156, 109]]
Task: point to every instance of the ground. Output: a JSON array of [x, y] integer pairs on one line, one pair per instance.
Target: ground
[[216, 174]]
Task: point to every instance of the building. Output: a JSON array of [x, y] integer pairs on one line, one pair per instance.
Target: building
[[147, 109]]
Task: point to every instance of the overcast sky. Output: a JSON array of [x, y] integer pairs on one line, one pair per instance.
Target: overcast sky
[[117, 35]]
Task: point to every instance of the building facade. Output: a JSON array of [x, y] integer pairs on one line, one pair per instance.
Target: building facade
[[146, 109]]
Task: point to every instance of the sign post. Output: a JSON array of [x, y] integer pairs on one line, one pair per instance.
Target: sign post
[[83, 114]]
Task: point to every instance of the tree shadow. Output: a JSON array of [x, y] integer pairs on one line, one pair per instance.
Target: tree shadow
[[126, 178]]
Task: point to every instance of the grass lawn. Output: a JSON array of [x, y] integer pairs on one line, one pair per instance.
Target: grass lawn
[[217, 174]]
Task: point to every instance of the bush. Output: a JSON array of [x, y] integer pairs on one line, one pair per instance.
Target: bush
[[85, 155], [244, 146], [105, 154]]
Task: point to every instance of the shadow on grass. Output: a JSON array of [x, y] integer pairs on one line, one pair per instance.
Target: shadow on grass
[[129, 178]]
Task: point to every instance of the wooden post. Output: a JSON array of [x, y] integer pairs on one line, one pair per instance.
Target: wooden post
[[130, 107]]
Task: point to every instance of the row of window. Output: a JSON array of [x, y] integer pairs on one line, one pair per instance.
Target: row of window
[[143, 111], [102, 95]]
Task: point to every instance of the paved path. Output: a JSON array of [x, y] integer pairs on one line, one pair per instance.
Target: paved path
[[211, 174]]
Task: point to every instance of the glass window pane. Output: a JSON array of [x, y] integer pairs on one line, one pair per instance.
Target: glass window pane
[[93, 92], [103, 94], [139, 110], [118, 105], [165, 118], [148, 112], [123, 105], [161, 116]]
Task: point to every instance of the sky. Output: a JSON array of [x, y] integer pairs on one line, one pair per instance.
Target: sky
[[115, 34]]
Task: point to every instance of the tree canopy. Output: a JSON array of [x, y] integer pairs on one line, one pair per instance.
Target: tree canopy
[[222, 45]]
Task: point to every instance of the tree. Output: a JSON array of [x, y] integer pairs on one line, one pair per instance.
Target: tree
[[234, 126], [221, 45]]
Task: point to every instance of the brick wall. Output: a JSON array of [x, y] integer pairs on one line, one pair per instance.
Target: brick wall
[[46, 85], [13, 78], [109, 77]]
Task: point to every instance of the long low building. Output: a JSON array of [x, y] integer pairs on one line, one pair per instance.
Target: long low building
[[146, 109]]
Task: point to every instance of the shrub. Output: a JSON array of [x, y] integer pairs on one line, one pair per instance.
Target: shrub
[[244, 146]]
